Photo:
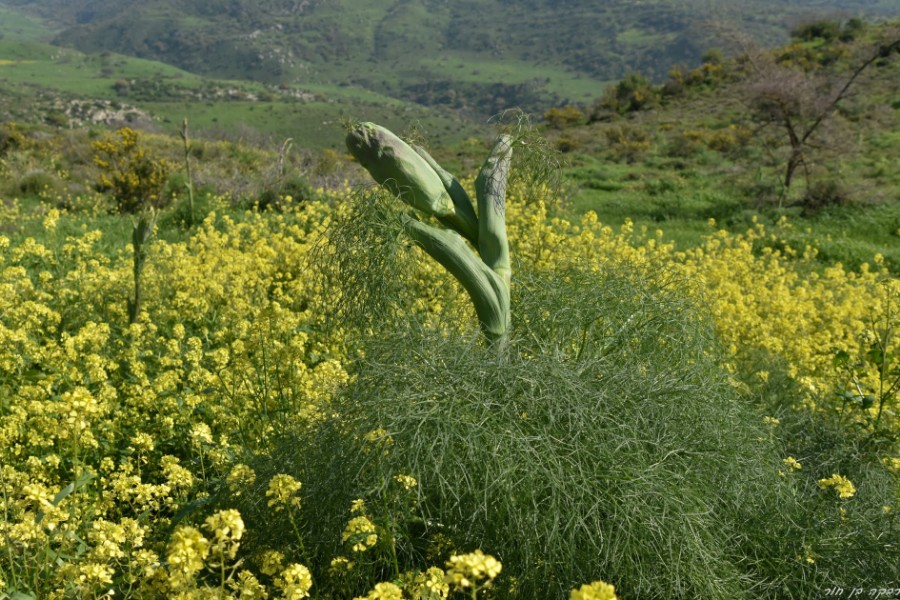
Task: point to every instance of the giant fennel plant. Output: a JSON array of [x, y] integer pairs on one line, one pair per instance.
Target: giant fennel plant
[[411, 174]]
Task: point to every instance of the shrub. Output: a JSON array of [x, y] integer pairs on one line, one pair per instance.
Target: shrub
[[626, 142], [852, 29], [633, 93], [129, 172], [562, 117], [38, 183], [825, 192], [820, 29], [713, 56], [685, 144], [11, 138], [567, 144], [604, 440]]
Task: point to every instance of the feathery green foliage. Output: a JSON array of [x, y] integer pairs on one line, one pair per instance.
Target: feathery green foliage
[[603, 441]]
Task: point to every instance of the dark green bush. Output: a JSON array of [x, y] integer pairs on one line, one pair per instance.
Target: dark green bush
[[825, 192], [633, 93], [38, 183], [296, 187], [821, 29]]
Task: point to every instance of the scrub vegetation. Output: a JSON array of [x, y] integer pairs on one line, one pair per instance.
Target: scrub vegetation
[[231, 366]]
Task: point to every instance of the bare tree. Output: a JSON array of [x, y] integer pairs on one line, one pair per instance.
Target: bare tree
[[799, 102]]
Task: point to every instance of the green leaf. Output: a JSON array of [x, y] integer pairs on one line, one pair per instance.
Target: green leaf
[[841, 358], [875, 356], [79, 483], [847, 396]]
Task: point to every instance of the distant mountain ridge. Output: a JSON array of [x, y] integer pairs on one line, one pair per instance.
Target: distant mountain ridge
[[429, 51]]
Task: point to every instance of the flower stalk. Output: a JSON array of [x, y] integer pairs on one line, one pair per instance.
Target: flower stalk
[[140, 237]]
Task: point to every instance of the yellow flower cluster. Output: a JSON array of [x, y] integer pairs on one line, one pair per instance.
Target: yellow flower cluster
[[98, 414], [407, 482], [361, 534], [467, 570], [843, 486], [763, 294], [282, 492], [271, 562], [186, 554], [792, 464], [429, 585], [383, 591], [241, 476], [892, 464], [340, 566], [226, 528], [598, 590], [295, 582]]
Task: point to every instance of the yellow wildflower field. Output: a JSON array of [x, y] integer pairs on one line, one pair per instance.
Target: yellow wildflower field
[[111, 432]]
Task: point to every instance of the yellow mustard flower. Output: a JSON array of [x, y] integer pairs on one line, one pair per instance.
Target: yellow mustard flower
[[226, 528], [282, 492], [383, 591], [271, 562], [358, 507], [247, 587], [240, 476], [361, 534], [406, 481], [340, 566], [792, 464], [295, 582], [429, 585], [843, 486], [598, 590], [466, 570], [186, 554]]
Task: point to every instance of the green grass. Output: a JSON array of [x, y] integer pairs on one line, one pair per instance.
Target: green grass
[[679, 202], [312, 125], [682, 207], [852, 235], [86, 75]]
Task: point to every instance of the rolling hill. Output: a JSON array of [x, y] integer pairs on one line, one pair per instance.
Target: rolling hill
[[475, 56]]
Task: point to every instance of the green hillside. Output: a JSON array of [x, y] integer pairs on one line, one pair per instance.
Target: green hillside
[[41, 83], [709, 146], [673, 155], [428, 51], [692, 149]]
